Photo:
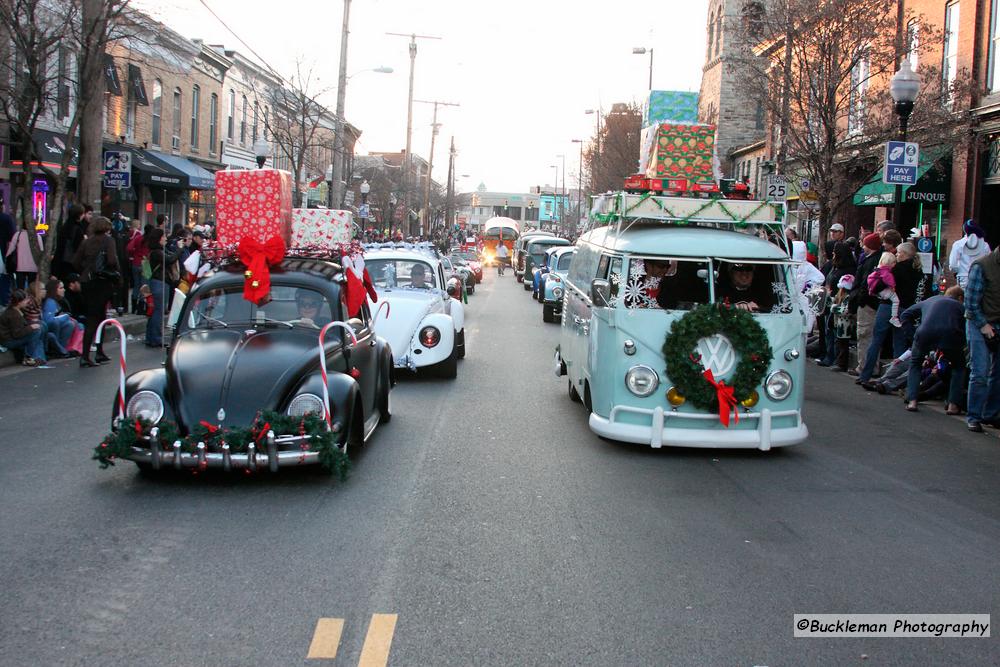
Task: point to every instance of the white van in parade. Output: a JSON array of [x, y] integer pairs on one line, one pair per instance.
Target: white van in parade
[[682, 326]]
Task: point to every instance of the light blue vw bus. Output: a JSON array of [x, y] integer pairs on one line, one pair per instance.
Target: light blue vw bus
[[682, 326]]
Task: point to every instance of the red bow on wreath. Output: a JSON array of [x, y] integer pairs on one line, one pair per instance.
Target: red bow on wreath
[[258, 258], [727, 399]]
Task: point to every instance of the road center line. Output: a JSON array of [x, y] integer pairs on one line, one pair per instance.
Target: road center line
[[326, 638], [375, 652]]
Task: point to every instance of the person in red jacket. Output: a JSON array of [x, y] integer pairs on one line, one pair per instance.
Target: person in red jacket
[[136, 251]]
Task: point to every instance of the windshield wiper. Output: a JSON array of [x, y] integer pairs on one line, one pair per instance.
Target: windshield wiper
[[268, 320], [214, 320]]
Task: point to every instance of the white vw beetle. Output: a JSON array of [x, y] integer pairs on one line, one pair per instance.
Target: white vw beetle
[[425, 327]]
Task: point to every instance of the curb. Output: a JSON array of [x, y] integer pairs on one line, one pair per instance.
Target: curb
[[135, 325]]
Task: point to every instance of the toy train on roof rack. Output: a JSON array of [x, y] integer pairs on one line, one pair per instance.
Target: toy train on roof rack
[[729, 188]]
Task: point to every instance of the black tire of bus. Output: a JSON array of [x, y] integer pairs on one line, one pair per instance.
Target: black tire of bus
[[574, 395]]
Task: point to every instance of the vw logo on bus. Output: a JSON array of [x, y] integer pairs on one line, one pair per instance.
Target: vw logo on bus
[[717, 355]]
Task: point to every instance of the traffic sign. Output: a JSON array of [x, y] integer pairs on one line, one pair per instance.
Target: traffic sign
[[925, 244], [364, 212], [901, 158], [117, 169], [776, 188]]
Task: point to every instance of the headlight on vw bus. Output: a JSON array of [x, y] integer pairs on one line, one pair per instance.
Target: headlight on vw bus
[[557, 292], [778, 385], [305, 403], [642, 380], [430, 336], [145, 405]]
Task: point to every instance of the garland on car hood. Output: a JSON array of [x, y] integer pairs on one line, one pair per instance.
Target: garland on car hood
[[119, 443]]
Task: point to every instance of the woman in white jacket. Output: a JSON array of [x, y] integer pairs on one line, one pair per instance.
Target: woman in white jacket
[[18, 253]]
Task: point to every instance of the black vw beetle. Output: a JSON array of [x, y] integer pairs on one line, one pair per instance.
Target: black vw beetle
[[231, 361]]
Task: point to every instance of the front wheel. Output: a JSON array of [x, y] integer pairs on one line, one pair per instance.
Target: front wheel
[[460, 343], [448, 369], [385, 400], [574, 395]]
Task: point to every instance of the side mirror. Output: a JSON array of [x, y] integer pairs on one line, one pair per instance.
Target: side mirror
[[600, 292]]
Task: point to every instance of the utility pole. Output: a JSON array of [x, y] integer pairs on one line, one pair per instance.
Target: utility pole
[[335, 196], [430, 162], [409, 119], [449, 201]]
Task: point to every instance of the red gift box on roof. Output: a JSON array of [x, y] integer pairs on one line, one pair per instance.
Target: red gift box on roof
[[253, 203]]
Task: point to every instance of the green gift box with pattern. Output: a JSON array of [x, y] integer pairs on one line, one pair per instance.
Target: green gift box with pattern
[[678, 150]]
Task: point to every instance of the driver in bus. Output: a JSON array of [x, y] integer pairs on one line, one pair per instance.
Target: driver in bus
[[739, 290]]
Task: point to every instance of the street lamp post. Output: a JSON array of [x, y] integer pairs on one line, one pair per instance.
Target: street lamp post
[[641, 51], [597, 129], [562, 200], [364, 189], [904, 88], [579, 183], [555, 197]]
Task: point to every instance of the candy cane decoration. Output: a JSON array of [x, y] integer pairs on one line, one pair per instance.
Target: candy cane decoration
[[121, 360], [379, 311], [322, 364]]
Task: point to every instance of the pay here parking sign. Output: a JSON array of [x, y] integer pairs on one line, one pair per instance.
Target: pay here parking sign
[[901, 158]]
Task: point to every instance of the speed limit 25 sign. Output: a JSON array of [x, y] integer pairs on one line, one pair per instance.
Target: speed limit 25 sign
[[776, 188]]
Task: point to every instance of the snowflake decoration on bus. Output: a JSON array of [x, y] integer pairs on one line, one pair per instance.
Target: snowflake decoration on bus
[[637, 269], [637, 296], [783, 303]]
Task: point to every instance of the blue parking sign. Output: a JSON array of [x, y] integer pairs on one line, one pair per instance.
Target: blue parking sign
[[901, 159]]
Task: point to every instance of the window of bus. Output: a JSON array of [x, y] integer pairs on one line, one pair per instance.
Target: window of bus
[[664, 282], [757, 287]]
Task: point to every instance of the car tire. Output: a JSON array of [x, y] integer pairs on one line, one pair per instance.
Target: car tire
[[548, 313], [574, 395], [448, 369], [460, 343]]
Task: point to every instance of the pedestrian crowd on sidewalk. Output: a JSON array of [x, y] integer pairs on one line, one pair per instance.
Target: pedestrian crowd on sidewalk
[[942, 342], [100, 266]]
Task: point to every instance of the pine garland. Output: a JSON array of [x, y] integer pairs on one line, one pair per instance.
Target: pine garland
[[684, 364], [119, 443]]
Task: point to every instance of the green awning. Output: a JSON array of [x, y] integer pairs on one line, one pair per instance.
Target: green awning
[[933, 183]]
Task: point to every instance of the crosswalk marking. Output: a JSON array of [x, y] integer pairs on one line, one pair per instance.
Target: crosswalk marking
[[326, 638], [376, 649]]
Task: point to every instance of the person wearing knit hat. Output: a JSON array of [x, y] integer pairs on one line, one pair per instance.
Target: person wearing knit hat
[[967, 250], [861, 302]]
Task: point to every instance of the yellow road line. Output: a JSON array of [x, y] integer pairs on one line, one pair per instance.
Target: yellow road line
[[326, 638], [375, 652]]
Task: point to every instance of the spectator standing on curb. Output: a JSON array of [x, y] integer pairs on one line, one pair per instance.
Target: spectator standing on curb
[[967, 250], [942, 327], [861, 302], [97, 261], [71, 235], [137, 251], [881, 324], [982, 330]]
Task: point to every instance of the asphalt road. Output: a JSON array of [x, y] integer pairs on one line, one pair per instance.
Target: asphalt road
[[486, 525]]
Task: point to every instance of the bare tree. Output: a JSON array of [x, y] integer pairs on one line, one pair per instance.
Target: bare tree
[[295, 122], [614, 154], [34, 80], [822, 70]]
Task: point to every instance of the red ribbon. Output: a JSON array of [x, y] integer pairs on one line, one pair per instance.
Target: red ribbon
[[211, 428], [263, 431], [138, 429], [258, 258], [726, 397]]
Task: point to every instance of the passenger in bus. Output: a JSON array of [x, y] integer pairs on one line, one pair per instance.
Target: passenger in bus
[[743, 288]]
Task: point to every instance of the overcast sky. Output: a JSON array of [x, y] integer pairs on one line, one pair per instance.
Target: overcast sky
[[523, 71]]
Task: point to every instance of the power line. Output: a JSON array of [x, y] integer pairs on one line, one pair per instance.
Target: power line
[[225, 25]]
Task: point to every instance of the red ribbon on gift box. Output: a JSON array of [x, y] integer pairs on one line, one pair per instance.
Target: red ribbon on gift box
[[727, 399], [259, 258]]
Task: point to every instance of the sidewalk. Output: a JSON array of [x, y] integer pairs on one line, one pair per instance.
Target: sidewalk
[[135, 325]]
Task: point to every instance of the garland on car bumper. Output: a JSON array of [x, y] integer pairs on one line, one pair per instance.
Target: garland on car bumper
[[684, 363], [119, 443]]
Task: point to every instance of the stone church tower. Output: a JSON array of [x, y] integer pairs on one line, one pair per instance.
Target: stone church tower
[[724, 99]]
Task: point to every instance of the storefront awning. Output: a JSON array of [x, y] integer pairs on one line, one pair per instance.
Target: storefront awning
[[49, 150], [147, 169], [198, 177], [933, 183]]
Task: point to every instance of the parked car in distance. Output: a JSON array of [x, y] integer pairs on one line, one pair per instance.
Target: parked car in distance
[[534, 258]]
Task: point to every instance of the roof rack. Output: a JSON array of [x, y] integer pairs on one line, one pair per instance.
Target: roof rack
[[617, 207]]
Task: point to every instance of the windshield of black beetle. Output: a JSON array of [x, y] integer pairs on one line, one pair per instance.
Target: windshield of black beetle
[[390, 273], [297, 306]]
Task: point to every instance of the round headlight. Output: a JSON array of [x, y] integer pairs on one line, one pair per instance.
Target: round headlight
[[642, 380], [305, 403], [430, 336], [557, 292], [145, 405], [778, 385]]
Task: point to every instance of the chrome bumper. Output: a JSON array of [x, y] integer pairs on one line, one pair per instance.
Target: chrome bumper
[[659, 433], [268, 456]]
